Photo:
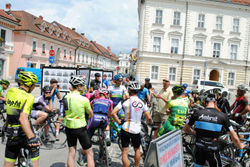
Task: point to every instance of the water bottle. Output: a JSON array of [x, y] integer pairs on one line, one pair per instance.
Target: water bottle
[[240, 153], [143, 143]]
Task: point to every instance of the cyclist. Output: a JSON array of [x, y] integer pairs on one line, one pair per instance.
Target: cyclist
[[41, 104], [102, 110], [240, 106], [209, 124], [195, 97], [222, 102], [133, 108], [4, 84], [75, 107], [177, 110], [19, 103]]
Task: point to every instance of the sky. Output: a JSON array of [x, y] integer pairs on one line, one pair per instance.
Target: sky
[[111, 23]]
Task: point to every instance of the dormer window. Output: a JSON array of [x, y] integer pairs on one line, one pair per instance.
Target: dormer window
[[80, 41], [58, 33], [87, 44], [43, 26], [51, 29], [70, 37], [65, 35]]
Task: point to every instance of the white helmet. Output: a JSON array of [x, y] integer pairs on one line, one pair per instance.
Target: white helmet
[[76, 81], [134, 85], [242, 87]]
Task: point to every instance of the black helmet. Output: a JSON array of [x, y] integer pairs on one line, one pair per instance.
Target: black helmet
[[195, 91], [210, 98], [46, 88], [242, 87], [147, 79], [97, 74], [178, 89]]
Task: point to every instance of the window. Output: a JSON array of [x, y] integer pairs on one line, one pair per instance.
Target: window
[[172, 74], [34, 46], [78, 57], [201, 21], [43, 48], [51, 47], [197, 74], [87, 59], [230, 80], [3, 34], [70, 54], [65, 52], [42, 65], [236, 23], [218, 23], [33, 65], [82, 58], [177, 18], [174, 46], [216, 51], [199, 48], [158, 18], [154, 72], [234, 50], [157, 44]]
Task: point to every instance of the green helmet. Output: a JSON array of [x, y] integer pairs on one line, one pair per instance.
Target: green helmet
[[178, 89], [27, 78], [195, 91], [5, 82]]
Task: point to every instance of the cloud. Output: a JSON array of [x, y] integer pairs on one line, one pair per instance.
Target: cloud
[[111, 23]]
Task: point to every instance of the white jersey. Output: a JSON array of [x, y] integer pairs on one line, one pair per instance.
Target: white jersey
[[133, 108]]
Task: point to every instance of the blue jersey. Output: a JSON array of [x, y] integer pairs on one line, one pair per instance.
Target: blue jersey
[[142, 94], [101, 105], [53, 95]]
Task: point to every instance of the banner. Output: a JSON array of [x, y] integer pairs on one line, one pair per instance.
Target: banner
[[84, 73], [92, 75]]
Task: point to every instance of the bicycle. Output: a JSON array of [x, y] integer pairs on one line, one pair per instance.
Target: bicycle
[[51, 122], [3, 124], [24, 159]]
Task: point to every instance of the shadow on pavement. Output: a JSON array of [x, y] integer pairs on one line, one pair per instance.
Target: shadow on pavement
[[58, 164]]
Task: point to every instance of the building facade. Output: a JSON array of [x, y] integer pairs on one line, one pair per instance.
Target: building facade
[[124, 63], [187, 40], [7, 25]]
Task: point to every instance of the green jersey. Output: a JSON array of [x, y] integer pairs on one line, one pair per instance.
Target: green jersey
[[178, 111], [75, 107], [1, 91]]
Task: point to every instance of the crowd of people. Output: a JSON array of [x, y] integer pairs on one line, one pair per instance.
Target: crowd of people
[[122, 101]]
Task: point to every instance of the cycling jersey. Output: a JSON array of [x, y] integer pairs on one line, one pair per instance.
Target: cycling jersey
[[102, 105], [178, 111], [133, 108], [238, 107], [75, 106], [142, 94], [40, 103], [1, 91], [223, 105], [116, 93], [209, 125]]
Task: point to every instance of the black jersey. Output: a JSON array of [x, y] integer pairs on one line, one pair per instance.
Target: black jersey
[[209, 123], [223, 105]]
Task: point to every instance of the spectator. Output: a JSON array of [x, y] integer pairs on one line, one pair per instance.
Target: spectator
[[222, 102], [163, 97], [55, 90], [148, 85], [96, 83], [105, 81], [143, 94]]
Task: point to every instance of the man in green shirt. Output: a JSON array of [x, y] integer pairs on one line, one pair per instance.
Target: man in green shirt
[[178, 109], [75, 106]]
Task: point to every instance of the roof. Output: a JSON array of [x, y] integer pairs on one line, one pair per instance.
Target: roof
[[7, 16], [29, 22], [240, 2], [107, 53]]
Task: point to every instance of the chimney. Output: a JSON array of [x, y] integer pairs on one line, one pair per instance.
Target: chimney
[[73, 29], [82, 34], [7, 7], [109, 49], [41, 17]]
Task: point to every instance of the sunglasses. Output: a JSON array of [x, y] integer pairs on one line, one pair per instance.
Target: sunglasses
[[47, 92]]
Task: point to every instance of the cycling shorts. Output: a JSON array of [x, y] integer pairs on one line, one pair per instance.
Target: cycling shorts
[[14, 146], [34, 114], [203, 155], [80, 134], [126, 137], [97, 121]]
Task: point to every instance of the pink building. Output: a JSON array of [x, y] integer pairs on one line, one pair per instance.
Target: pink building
[[33, 40]]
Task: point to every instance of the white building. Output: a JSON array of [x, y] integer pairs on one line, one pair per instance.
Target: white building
[[124, 63], [185, 40], [7, 24]]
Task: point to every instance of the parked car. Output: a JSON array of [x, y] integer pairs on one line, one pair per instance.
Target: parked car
[[203, 86], [36, 71]]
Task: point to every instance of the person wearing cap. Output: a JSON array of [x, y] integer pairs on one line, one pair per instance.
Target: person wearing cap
[[143, 94], [209, 124], [222, 102], [240, 106], [194, 97], [96, 83], [148, 85], [105, 81], [163, 97]]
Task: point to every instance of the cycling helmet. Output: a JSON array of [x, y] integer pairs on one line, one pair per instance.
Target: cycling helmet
[[97, 74], [76, 81], [217, 90], [242, 87], [195, 91], [27, 78], [134, 85], [96, 94], [46, 88], [104, 91], [210, 98], [117, 77], [185, 85], [178, 89], [5, 82], [187, 92]]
